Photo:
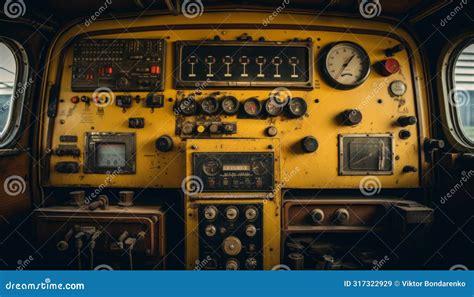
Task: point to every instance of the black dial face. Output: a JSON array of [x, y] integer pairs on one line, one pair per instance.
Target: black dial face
[[210, 105], [293, 61], [273, 108], [244, 60], [211, 167], [230, 105], [297, 107], [192, 60], [188, 106], [276, 60], [260, 60], [210, 60], [252, 107], [345, 65]]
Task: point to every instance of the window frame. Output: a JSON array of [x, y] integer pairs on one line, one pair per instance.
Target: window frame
[[449, 112], [15, 115]]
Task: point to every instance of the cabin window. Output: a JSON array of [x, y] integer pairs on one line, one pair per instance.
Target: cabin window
[[12, 89], [462, 94]]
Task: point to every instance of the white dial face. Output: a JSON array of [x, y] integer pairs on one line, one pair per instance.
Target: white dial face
[[347, 64]]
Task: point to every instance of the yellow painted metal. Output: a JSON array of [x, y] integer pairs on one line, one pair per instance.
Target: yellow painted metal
[[317, 170], [271, 207]]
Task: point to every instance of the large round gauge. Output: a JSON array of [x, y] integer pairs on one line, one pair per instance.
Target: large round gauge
[[211, 167], [230, 105], [345, 65], [252, 107], [210, 105], [297, 107], [272, 107], [188, 106]]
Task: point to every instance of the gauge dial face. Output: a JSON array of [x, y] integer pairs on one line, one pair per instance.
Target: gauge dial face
[[258, 167], [230, 105], [346, 65], [188, 106], [252, 107], [211, 167], [210, 105], [297, 107], [273, 108]]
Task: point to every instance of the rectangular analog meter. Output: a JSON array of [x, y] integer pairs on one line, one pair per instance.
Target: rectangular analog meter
[[366, 154], [244, 64]]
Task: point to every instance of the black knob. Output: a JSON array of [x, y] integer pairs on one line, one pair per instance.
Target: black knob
[[351, 117], [309, 144], [164, 143], [404, 134], [406, 121], [136, 123], [433, 144], [408, 169]]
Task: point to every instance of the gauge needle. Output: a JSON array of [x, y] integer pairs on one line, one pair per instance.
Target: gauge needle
[[344, 66]]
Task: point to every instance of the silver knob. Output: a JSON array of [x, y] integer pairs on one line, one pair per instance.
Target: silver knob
[[251, 263], [341, 216], [210, 230], [251, 213], [250, 231], [232, 246], [210, 213], [231, 213]]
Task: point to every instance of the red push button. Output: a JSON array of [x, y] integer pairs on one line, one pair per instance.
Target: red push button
[[75, 100], [389, 67]]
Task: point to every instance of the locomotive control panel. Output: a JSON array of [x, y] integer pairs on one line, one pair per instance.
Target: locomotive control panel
[[246, 115]]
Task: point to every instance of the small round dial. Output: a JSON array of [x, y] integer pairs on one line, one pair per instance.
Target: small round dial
[[231, 213], [297, 107], [210, 230], [252, 107], [345, 65], [210, 105], [251, 213], [273, 108], [210, 213], [188, 106], [211, 167], [230, 105]]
